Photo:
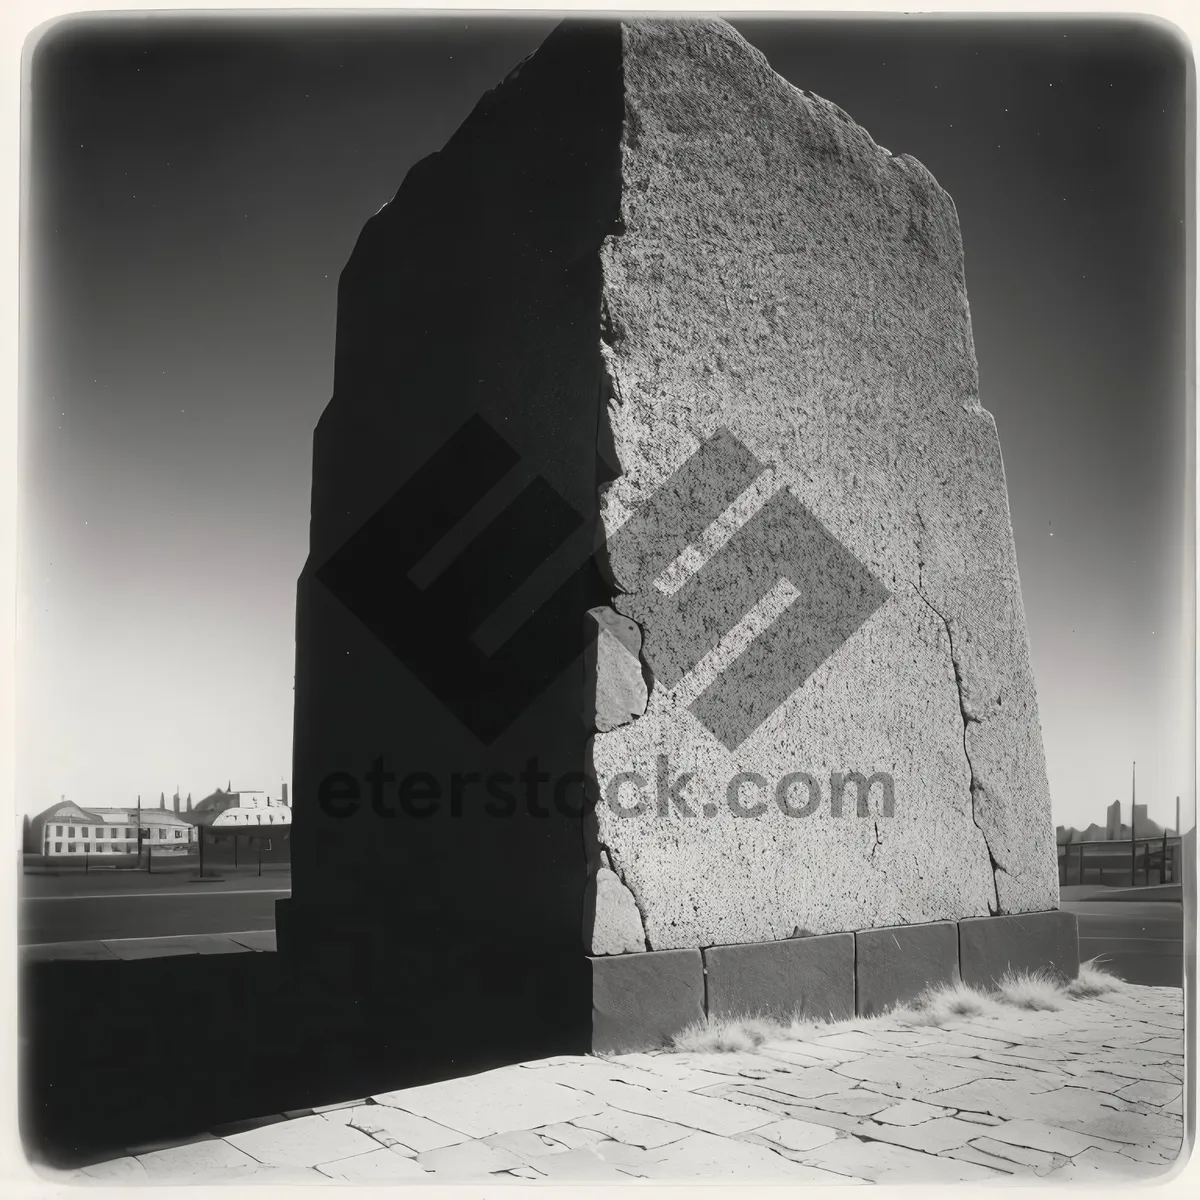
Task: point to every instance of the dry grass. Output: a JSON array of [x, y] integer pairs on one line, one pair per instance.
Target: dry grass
[[936, 1007], [1093, 980], [951, 1002], [724, 1037], [1032, 990]]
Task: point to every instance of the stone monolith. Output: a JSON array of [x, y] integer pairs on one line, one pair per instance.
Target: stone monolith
[[655, 400]]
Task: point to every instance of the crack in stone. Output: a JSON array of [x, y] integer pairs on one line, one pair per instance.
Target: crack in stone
[[968, 717]]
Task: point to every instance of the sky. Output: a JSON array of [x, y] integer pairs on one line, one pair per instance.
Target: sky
[[194, 189]]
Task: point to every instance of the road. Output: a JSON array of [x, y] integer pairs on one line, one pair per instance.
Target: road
[[1142, 941], [132, 904]]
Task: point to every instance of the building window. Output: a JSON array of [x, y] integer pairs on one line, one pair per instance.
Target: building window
[[179, 833], [71, 831], [87, 847], [58, 831], [162, 835], [83, 832], [112, 833], [129, 833], [58, 847], [72, 848]]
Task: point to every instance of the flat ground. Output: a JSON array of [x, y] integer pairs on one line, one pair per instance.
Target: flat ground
[[1092, 1093], [75, 907]]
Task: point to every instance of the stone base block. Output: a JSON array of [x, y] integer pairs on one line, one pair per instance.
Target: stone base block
[[640, 1001], [894, 966], [812, 976], [1043, 941]]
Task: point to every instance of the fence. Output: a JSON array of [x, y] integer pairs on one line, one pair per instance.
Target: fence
[[1142, 862], [246, 848]]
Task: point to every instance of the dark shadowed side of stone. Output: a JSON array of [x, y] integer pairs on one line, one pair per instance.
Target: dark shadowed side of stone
[[640, 1001], [813, 977], [988, 947], [467, 338], [893, 966]]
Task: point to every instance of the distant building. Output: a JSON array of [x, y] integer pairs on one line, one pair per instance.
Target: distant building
[[229, 809], [1112, 830], [68, 829]]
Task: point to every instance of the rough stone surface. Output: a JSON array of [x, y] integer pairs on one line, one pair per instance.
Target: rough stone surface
[[895, 965], [786, 287], [614, 686], [615, 925], [813, 977], [640, 1001], [1045, 941]]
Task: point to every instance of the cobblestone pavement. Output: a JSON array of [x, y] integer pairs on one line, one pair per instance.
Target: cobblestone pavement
[[1092, 1092]]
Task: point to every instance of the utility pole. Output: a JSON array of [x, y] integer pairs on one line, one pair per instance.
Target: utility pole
[[1133, 829]]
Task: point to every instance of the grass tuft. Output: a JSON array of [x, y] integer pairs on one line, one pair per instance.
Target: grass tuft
[[722, 1037], [1093, 980], [951, 1002], [1032, 990]]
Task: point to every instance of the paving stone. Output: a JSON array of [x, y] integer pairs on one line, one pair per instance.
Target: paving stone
[[979, 1118], [1097, 1166], [854, 1039], [795, 1135], [375, 1166], [881, 1162], [856, 1104], [302, 1143], [704, 1156], [804, 1084], [195, 1161], [1051, 1139], [969, 1153], [1039, 1160], [571, 1135], [118, 1170], [635, 1129], [521, 1173], [1150, 1092], [494, 1102], [908, 1076], [468, 1160], [580, 1165], [894, 965], [1162, 1150], [524, 1143], [620, 1154], [712, 1114], [1135, 1128], [1010, 1099], [911, 1112], [810, 975], [934, 1136], [396, 1128]]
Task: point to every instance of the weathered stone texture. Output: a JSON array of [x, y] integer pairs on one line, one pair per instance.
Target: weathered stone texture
[[782, 281]]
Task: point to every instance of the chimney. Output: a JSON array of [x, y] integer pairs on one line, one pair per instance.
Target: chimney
[[285, 799], [189, 802], [1113, 832]]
